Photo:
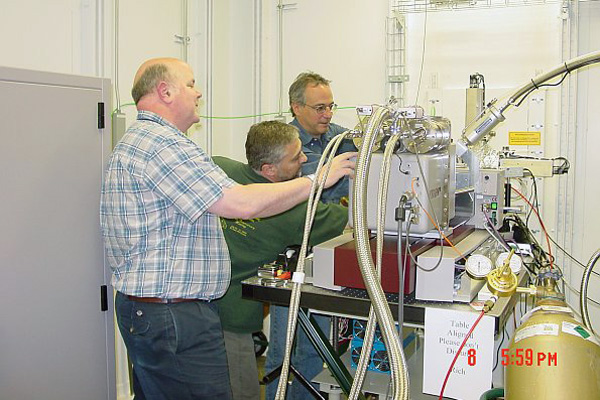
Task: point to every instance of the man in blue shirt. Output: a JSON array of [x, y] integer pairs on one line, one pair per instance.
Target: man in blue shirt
[[312, 105], [160, 204]]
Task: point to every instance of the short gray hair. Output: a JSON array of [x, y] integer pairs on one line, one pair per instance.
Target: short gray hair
[[149, 79], [302, 81], [266, 142]]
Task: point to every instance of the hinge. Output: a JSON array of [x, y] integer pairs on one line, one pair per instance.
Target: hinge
[[101, 115], [103, 298]]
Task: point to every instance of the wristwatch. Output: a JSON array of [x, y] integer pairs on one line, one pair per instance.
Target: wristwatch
[[310, 176]]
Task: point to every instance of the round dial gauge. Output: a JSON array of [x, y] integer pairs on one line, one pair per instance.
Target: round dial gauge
[[478, 266], [516, 264]]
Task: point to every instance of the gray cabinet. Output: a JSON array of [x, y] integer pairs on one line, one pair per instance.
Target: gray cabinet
[[56, 343]]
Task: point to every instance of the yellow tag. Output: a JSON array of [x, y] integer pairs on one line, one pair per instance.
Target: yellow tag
[[524, 138]]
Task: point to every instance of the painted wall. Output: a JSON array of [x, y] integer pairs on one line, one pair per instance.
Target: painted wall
[[57, 36], [586, 218]]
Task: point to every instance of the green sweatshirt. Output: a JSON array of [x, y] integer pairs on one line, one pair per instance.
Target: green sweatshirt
[[258, 241]]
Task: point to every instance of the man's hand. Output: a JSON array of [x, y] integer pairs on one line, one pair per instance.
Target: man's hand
[[341, 166]]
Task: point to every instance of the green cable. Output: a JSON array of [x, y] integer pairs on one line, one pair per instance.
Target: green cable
[[241, 117], [492, 394], [261, 115], [122, 105]]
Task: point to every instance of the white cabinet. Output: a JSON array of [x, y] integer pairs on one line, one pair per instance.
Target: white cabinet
[[56, 343]]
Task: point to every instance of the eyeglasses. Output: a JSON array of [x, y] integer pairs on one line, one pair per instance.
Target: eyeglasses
[[321, 108]]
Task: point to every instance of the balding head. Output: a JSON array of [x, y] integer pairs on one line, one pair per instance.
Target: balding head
[[166, 86], [151, 73]]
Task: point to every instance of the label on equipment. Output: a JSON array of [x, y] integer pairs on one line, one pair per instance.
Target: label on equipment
[[537, 330], [524, 138], [577, 330]]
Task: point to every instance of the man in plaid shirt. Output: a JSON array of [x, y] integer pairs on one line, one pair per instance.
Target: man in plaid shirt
[[161, 199]]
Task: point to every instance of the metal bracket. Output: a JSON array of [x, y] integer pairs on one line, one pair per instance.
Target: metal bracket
[[182, 39], [288, 6]]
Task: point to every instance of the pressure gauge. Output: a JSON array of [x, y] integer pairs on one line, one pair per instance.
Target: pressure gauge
[[516, 264], [478, 266]]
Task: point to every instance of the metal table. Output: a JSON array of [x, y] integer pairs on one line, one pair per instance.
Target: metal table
[[334, 303]]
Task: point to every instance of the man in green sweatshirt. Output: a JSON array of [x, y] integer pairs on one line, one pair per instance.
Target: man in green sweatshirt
[[274, 154]]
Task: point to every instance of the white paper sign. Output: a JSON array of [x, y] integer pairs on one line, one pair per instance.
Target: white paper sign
[[471, 375]]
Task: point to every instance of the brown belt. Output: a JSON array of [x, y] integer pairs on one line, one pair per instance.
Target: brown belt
[[160, 300]]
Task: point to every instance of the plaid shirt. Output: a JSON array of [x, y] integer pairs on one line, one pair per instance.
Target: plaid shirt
[[160, 240]]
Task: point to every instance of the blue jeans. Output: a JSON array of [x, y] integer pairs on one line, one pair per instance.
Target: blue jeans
[[304, 356], [177, 350]]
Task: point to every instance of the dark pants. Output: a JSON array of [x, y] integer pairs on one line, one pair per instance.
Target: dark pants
[[177, 350]]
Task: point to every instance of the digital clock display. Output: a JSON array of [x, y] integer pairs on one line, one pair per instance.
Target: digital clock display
[[529, 357]]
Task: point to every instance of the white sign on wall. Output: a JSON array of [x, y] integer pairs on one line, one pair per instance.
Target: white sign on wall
[[471, 375]]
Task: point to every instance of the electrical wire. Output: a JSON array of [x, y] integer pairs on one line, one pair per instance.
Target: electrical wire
[[534, 195], [433, 220], [423, 49], [556, 169], [499, 347], [236, 117], [495, 234], [458, 353], [565, 252], [536, 87], [536, 248], [576, 291], [541, 224], [583, 297], [434, 224], [441, 246], [118, 98]]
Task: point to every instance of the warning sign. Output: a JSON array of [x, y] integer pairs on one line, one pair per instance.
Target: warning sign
[[524, 138]]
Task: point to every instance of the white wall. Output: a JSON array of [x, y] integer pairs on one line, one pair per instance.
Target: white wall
[[341, 40], [586, 215], [56, 36]]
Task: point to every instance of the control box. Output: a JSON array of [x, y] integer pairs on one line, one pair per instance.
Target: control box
[[489, 198]]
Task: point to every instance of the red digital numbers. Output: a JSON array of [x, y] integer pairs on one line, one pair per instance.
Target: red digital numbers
[[472, 357], [528, 358]]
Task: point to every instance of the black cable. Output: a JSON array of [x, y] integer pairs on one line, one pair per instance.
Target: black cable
[[499, 347], [534, 195], [565, 252], [534, 84], [521, 304], [561, 169], [543, 258], [540, 256], [496, 235], [550, 259], [541, 86], [525, 96]]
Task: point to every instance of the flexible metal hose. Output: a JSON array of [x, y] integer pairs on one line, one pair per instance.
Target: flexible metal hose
[[585, 280], [312, 205], [381, 211], [400, 384]]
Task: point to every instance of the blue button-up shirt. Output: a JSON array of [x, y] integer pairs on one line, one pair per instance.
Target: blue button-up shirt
[[314, 147], [160, 240]]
